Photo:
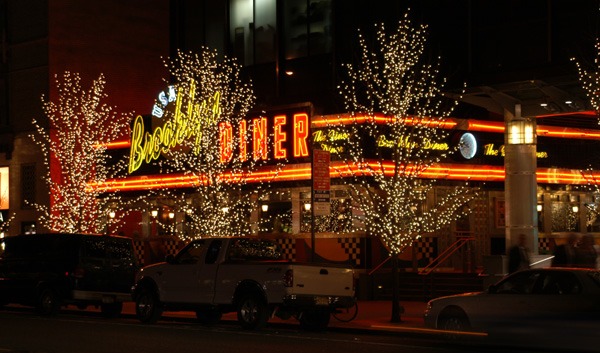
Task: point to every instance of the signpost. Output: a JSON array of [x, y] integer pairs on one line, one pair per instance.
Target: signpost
[[320, 193]]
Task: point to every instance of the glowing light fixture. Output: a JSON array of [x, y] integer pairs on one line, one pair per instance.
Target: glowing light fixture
[[264, 207], [112, 214], [307, 206], [521, 132], [539, 208], [154, 213], [171, 215], [575, 209]]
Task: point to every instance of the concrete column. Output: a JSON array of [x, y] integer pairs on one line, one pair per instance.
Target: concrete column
[[520, 163]]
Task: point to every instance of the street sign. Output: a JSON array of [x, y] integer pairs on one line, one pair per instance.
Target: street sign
[[321, 183]]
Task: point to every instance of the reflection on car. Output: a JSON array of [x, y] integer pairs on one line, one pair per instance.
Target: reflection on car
[[546, 307]]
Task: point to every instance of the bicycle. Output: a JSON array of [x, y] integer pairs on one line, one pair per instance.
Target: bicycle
[[346, 314]]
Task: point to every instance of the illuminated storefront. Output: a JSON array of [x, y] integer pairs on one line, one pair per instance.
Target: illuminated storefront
[[283, 135]]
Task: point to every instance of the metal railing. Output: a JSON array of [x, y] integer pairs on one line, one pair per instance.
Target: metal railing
[[461, 241]]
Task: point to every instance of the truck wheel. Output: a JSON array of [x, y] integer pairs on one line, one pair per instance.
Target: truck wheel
[[148, 308], [111, 310], [209, 316], [314, 319], [48, 302], [252, 312]]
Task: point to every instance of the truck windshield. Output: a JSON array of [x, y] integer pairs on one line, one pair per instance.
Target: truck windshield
[[253, 249]]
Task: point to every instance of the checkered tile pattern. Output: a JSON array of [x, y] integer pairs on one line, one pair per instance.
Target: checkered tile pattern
[[171, 246], [544, 244], [288, 248], [139, 250], [351, 247], [426, 247]]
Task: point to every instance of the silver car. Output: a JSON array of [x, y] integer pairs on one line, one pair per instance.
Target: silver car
[[547, 307]]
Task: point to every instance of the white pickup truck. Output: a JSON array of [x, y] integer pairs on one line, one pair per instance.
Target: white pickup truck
[[213, 276]]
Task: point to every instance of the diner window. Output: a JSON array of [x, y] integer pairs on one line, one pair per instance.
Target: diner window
[[252, 29], [276, 217], [338, 221], [564, 217]]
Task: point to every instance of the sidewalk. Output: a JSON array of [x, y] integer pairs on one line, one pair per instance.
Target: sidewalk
[[372, 316]]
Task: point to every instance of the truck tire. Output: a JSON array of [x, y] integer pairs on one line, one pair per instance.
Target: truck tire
[[111, 310], [252, 312], [48, 302], [148, 308], [314, 319]]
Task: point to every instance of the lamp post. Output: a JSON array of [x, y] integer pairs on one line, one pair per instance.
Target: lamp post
[[520, 186]]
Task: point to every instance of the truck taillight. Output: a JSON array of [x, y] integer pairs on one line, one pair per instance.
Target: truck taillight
[[288, 278], [79, 272]]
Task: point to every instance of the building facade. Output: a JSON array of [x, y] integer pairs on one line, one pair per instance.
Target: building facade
[[294, 50]]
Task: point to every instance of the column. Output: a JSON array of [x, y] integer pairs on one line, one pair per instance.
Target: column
[[520, 163]]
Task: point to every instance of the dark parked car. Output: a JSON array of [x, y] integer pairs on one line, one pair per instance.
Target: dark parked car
[[47, 271]]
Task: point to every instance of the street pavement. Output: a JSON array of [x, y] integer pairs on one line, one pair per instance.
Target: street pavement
[[372, 316]]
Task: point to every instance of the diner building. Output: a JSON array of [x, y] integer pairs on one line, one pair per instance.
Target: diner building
[[293, 51]]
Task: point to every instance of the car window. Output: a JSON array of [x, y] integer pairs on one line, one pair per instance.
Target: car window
[[213, 251], [120, 249], [595, 276], [559, 283], [253, 249], [191, 254], [96, 247], [519, 283]]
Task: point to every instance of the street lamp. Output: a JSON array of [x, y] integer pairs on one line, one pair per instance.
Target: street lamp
[[520, 191], [521, 132]]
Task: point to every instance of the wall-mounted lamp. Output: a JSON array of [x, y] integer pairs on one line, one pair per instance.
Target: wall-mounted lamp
[[171, 215], [307, 206], [154, 213], [575, 209], [540, 207], [112, 214], [264, 207]]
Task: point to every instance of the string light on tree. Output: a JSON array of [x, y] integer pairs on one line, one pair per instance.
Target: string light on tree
[[211, 92], [80, 123], [393, 79]]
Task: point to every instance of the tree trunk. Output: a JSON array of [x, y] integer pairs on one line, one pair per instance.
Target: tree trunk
[[397, 309]]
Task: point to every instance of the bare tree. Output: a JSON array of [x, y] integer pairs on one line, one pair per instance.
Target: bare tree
[[74, 150], [212, 146], [397, 101]]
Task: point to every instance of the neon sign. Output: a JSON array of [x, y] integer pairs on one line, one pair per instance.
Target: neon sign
[[404, 142], [325, 140], [164, 98], [491, 150], [146, 147], [189, 119]]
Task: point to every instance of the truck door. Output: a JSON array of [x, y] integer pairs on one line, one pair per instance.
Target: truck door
[[190, 278], [208, 271], [180, 280]]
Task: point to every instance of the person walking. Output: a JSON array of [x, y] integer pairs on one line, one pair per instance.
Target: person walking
[[586, 255], [518, 256], [564, 255]]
